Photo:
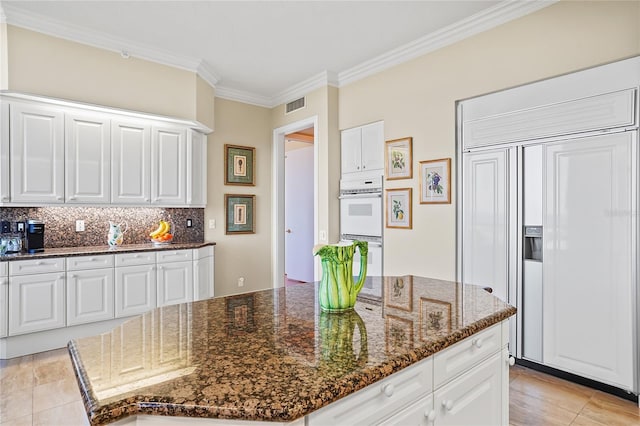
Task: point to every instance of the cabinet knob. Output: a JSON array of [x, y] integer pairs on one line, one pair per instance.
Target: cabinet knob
[[5, 198], [364, 167], [358, 168], [59, 198], [430, 415], [447, 404], [511, 361], [72, 198], [388, 389], [147, 200], [477, 342]]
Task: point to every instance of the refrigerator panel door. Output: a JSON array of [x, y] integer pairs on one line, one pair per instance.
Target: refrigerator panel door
[[589, 263]]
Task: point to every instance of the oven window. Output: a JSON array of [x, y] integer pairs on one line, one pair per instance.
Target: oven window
[[360, 209]]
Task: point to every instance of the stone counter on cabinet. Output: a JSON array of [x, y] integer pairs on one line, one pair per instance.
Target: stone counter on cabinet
[[273, 356]]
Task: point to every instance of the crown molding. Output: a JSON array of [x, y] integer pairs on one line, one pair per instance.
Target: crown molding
[[207, 73], [323, 79], [243, 96], [499, 14]]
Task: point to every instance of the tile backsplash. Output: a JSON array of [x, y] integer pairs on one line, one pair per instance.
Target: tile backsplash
[[60, 223]]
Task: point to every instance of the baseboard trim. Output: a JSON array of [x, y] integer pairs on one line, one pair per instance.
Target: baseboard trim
[[594, 384]]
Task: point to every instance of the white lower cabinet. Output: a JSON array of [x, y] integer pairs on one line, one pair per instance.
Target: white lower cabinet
[[175, 283], [135, 290], [89, 296], [4, 314], [473, 398], [203, 271], [37, 303]]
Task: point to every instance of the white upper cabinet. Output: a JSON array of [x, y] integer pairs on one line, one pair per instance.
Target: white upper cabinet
[[55, 151], [37, 153], [4, 155], [168, 166], [88, 142], [130, 163], [196, 169], [363, 148]]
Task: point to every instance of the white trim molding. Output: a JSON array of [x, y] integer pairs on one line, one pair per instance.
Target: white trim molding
[[243, 96]]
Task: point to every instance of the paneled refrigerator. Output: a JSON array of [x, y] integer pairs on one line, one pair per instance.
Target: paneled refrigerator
[[548, 218]]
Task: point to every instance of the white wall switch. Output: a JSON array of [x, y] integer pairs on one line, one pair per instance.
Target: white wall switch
[[212, 224], [323, 236], [79, 225], [241, 282]]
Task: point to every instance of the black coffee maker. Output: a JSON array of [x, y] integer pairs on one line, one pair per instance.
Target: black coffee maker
[[34, 236]]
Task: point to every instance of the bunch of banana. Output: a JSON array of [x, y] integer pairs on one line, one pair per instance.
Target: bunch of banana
[[162, 234]]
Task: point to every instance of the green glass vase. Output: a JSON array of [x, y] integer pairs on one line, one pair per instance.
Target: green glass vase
[[338, 291]]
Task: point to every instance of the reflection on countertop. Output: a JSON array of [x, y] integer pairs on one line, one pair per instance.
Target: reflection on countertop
[[271, 355]]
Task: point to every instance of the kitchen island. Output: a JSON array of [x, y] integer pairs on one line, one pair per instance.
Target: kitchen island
[[413, 347]]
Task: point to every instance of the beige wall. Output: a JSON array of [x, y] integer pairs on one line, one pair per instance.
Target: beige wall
[[51, 66], [418, 99], [245, 255]]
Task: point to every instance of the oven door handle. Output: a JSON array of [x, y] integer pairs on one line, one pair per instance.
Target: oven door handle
[[361, 195]]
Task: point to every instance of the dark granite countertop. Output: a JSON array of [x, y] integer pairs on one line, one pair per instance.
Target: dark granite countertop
[[95, 250], [272, 355]]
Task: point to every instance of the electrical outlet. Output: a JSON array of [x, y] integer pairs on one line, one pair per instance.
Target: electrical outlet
[[79, 225], [241, 282], [20, 227], [212, 224], [189, 223]]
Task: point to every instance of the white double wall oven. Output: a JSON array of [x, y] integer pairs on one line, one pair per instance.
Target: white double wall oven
[[548, 217]]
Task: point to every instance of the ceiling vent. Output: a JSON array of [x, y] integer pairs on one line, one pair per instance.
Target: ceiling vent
[[295, 105]]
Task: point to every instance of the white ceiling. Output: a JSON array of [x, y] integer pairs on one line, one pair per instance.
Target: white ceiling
[[268, 52]]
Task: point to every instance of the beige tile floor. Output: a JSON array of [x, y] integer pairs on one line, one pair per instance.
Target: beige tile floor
[[41, 390]]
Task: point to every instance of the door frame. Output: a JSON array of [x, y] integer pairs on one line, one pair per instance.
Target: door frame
[[277, 201]]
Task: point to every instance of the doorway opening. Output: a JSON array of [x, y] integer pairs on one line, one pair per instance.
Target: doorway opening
[[309, 127]]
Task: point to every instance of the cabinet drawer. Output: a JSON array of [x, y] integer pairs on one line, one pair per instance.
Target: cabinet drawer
[[420, 413], [132, 259], [36, 266], [377, 401], [89, 262], [202, 252], [4, 269], [173, 256], [463, 355]]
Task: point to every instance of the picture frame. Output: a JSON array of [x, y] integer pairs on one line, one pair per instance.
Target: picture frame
[[240, 314], [435, 317], [240, 215], [239, 165], [435, 181], [398, 208], [398, 162], [398, 333], [398, 292]]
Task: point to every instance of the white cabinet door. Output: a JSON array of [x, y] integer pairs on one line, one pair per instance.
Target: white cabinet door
[[419, 413], [175, 283], [130, 163], [88, 147], [203, 278], [168, 166], [4, 306], [588, 263], [5, 191], [89, 296], [37, 154], [135, 290], [475, 398], [37, 303], [372, 146], [485, 220], [197, 169], [351, 150]]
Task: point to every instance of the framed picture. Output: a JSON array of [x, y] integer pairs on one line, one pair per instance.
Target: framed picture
[[240, 315], [399, 208], [399, 333], [398, 292], [435, 181], [435, 317], [239, 165], [398, 159], [240, 214]]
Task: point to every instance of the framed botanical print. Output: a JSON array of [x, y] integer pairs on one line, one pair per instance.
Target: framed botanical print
[[398, 292], [398, 159], [435, 181], [240, 214], [398, 208], [399, 333], [239, 165], [435, 317], [240, 314]]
